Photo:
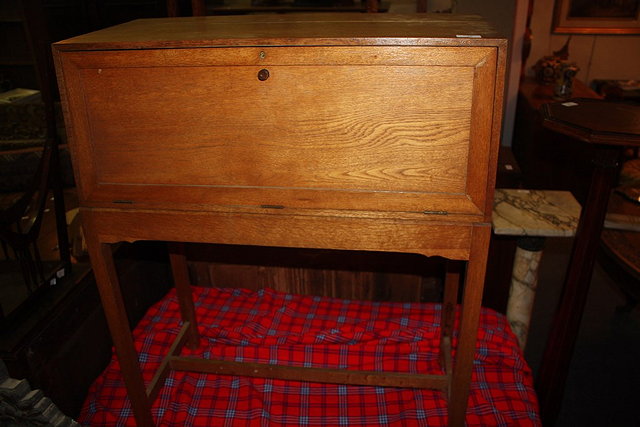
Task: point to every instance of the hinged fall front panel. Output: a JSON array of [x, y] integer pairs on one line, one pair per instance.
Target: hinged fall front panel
[[390, 128]]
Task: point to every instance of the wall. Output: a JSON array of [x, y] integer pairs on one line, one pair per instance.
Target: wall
[[598, 56], [508, 17]]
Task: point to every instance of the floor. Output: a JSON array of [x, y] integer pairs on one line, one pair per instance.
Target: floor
[[602, 385]]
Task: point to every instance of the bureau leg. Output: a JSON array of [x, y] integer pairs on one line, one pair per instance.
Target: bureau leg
[[450, 299], [448, 316], [106, 278], [470, 315], [180, 270]]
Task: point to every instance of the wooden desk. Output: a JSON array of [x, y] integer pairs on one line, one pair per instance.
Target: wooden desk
[[368, 132], [607, 128]]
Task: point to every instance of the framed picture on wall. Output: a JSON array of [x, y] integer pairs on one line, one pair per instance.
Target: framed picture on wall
[[597, 17]]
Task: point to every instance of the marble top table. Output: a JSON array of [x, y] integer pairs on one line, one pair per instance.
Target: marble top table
[[540, 213], [531, 215]]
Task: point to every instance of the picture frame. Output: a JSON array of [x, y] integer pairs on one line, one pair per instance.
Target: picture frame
[[596, 17]]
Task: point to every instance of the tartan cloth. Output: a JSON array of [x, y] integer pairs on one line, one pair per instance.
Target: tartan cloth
[[272, 327]]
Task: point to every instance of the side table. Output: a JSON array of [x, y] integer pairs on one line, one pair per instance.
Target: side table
[[531, 215], [606, 128], [548, 160]]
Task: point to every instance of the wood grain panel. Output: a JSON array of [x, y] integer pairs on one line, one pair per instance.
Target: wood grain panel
[[439, 29], [417, 55], [427, 238], [349, 134], [383, 131]]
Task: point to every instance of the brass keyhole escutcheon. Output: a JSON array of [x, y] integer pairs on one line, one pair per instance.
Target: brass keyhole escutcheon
[[263, 74]]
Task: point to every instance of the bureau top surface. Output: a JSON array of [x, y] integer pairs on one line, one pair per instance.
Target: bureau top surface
[[290, 30]]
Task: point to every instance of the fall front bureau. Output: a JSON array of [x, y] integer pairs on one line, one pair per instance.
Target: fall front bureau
[[364, 132]]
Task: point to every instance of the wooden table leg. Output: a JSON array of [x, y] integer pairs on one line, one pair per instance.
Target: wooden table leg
[[566, 323], [448, 318], [466, 348], [183, 291], [114, 309]]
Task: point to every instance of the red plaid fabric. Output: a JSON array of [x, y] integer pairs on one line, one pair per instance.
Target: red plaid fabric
[[272, 327]]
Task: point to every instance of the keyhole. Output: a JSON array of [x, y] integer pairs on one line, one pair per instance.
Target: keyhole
[[263, 74]]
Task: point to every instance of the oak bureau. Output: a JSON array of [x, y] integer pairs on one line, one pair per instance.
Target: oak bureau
[[367, 132]]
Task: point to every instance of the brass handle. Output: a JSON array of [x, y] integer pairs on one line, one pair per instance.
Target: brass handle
[[263, 74]]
